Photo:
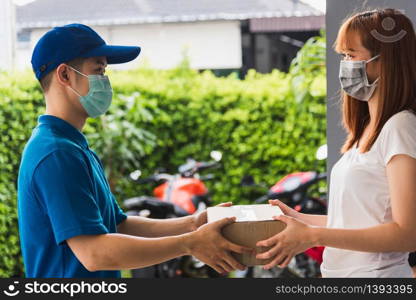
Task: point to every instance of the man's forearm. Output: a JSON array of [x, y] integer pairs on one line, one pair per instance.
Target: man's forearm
[[118, 251], [146, 227], [388, 237]]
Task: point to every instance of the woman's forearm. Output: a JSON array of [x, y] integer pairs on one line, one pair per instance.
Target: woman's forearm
[[313, 220], [388, 237]]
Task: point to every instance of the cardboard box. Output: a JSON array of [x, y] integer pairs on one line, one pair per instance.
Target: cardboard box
[[254, 223]]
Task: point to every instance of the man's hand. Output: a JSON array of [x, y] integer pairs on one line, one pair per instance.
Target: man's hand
[[208, 245], [201, 218]]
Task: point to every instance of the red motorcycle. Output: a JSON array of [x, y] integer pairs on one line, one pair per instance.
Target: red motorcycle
[[176, 195], [294, 191]]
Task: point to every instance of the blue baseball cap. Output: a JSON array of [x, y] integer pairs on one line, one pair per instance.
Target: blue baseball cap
[[62, 44]]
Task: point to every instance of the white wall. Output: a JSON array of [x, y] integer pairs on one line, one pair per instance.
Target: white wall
[[210, 45]]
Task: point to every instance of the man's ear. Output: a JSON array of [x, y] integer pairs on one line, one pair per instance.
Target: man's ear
[[62, 74]]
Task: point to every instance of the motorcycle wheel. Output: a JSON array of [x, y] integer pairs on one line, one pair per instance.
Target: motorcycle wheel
[[148, 272], [193, 268], [168, 269]]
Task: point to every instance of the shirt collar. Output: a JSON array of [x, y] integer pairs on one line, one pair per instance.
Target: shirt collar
[[65, 128]]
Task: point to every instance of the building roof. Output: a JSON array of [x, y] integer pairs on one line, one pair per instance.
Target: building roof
[[49, 13]]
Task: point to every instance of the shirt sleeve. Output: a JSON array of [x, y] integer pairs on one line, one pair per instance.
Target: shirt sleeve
[[63, 184], [398, 136], [120, 215]]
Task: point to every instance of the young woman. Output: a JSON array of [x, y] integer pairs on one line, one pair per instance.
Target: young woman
[[371, 223]]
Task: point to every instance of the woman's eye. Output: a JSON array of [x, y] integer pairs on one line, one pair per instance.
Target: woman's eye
[[346, 56]]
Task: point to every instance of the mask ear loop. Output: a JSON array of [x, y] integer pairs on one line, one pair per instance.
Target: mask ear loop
[[77, 71], [74, 91], [78, 94], [375, 81], [373, 58]]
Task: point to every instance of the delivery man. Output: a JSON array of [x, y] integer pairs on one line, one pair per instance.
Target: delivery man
[[70, 224]]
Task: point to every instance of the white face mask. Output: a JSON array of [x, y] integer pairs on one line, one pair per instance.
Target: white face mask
[[353, 79]]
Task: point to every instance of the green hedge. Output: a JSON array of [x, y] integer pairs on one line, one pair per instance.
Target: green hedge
[[266, 125]]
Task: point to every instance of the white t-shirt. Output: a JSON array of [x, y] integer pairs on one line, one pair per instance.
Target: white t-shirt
[[359, 198]]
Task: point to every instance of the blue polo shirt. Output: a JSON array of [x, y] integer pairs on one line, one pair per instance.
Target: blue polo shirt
[[62, 193]]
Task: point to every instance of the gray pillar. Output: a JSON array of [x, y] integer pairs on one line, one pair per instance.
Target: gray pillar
[[336, 12]]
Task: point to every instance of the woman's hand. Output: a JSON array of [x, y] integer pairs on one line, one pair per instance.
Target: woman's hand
[[288, 211], [294, 239]]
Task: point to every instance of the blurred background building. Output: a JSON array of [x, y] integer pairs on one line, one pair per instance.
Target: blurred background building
[[220, 35], [7, 35]]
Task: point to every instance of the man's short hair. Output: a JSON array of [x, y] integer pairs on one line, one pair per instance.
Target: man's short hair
[[46, 81]]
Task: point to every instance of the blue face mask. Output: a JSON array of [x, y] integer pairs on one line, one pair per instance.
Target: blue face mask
[[100, 94]]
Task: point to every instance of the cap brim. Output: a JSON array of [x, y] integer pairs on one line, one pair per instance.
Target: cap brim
[[115, 54]]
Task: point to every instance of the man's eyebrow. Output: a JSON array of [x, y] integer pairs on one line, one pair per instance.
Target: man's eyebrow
[[101, 62]]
